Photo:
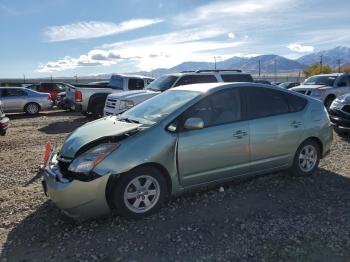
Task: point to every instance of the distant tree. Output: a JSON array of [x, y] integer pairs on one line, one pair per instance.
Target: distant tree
[[315, 69], [345, 69]]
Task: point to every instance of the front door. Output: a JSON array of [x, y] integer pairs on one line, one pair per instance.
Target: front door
[[221, 148]]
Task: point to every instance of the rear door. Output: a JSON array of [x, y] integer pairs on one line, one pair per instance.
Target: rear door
[[275, 127]]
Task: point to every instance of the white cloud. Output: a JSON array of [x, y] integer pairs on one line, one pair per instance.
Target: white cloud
[[231, 35], [301, 48], [94, 29], [165, 50], [224, 9]]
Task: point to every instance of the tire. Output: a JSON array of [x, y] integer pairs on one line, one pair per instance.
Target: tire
[[135, 200], [329, 100], [97, 111], [306, 158], [32, 108]]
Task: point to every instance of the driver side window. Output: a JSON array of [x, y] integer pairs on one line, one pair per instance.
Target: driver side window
[[343, 82], [220, 108]]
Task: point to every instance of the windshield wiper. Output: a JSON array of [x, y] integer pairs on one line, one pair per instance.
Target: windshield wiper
[[129, 120]]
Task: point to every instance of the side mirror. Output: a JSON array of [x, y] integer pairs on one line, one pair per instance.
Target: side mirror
[[194, 123]]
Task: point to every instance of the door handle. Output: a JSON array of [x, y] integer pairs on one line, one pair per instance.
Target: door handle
[[239, 134], [295, 124]]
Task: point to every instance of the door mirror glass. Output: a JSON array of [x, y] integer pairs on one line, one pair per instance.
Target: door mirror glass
[[194, 123]]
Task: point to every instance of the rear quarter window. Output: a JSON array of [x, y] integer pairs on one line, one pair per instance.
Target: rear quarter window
[[296, 103], [237, 78]]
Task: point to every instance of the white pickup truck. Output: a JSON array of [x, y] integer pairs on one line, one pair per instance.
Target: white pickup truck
[[120, 102], [326, 87], [90, 99]]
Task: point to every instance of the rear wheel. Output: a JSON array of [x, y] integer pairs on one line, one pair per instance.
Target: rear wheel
[[306, 159], [32, 108], [97, 111], [139, 192]]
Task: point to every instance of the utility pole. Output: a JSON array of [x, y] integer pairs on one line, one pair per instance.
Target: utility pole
[[259, 68], [76, 79], [321, 64], [24, 78], [51, 78], [215, 62], [338, 62], [275, 68]]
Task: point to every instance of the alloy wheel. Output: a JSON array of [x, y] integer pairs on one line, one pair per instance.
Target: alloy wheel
[[308, 158], [141, 194]]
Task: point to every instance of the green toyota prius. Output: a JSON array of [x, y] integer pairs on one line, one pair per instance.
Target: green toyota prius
[[187, 137]]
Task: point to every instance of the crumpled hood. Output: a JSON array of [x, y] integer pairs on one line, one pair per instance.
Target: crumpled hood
[[104, 127], [308, 87]]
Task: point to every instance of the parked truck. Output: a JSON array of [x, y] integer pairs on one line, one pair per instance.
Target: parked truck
[[90, 99]]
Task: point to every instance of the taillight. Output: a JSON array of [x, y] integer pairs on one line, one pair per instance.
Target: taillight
[[50, 97], [77, 96]]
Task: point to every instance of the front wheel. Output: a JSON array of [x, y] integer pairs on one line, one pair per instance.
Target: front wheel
[[139, 193], [306, 159]]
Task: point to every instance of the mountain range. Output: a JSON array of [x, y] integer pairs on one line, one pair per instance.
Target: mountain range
[[269, 63]]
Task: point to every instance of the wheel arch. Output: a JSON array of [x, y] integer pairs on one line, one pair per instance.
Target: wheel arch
[[113, 179], [316, 140]]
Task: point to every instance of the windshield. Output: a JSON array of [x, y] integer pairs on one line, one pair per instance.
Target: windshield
[[320, 80], [162, 83], [284, 85], [157, 108]]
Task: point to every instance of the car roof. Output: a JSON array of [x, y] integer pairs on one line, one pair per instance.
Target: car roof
[[208, 87], [208, 72], [333, 74], [137, 76]]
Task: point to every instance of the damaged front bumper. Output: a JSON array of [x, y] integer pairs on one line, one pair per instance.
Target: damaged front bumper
[[77, 199]]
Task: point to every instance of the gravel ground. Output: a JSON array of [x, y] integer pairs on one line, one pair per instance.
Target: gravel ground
[[269, 218]]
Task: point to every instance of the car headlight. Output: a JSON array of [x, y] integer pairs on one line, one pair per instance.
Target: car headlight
[[91, 158], [317, 92], [338, 103], [126, 104]]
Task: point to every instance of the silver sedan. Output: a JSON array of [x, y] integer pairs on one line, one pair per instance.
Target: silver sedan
[[20, 99]]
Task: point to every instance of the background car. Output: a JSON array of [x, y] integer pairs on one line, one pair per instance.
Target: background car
[[339, 114], [53, 88], [90, 99], [325, 87], [4, 121], [288, 85], [185, 138], [20, 99], [119, 102]]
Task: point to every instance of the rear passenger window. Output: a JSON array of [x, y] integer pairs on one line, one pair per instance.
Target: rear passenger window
[[15, 92], [296, 103], [237, 78], [136, 84], [263, 102], [196, 79]]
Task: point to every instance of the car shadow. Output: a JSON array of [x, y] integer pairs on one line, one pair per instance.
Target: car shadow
[[50, 113], [66, 126], [275, 217]]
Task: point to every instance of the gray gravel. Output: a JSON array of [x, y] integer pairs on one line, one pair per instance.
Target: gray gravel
[[269, 218]]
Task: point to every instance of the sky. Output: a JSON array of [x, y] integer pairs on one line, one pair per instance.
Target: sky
[[87, 37]]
